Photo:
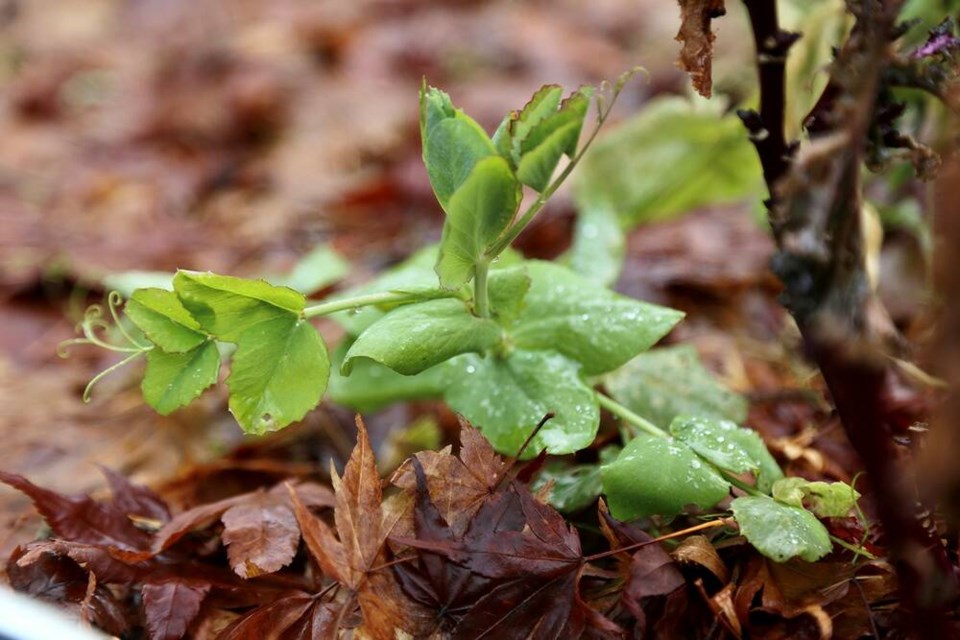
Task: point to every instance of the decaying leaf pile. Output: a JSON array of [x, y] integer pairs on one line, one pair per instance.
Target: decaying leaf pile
[[453, 546]]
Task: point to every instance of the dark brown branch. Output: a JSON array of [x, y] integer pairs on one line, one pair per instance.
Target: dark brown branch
[[766, 128], [814, 211]]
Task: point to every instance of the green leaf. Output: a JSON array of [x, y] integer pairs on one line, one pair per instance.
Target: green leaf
[[453, 143], [415, 337], [599, 246], [371, 386], [480, 210], [518, 124], [507, 397], [671, 158], [575, 487], [594, 326], [174, 380], [227, 307], [781, 531], [164, 320], [671, 381], [508, 294], [318, 269], [550, 139], [729, 447], [825, 499], [279, 373], [660, 476]]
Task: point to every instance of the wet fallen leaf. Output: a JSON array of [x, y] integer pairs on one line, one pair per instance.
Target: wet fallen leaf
[[170, 605]]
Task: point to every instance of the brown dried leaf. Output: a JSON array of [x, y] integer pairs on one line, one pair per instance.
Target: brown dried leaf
[[261, 534], [196, 518], [321, 543], [519, 556], [698, 550], [295, 617], [80, 518], [696, 56], [457, 486], [61, 580], [171, 605]]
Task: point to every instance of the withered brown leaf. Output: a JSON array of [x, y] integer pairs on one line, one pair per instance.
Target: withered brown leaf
[[170, 605], [696, 55], [355, 555], [261, 534]]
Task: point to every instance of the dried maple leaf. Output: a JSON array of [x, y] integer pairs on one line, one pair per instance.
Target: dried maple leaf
[[353, 557], [520, 554], [457, 486], [696, 55]]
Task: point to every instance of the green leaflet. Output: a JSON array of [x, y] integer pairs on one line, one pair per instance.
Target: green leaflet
[[453, 143], [174, 380], [508, 294], [164, 320], [507, 397], [226, 307], [673, 156], [279, 373], [670, 381], [371, 385], [599, 246], [660, 476], [477, 213], [729, 447], [594, 326], [575, 487], [535, 138], [415, 337], [825, 499], [781, 531], [517, 125]]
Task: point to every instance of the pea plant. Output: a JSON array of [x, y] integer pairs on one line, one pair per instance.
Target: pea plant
[[502, 339]]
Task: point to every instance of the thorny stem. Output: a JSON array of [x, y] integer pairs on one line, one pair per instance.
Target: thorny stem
[[814, 213], [766, 128], [372, 299], [623, 413]]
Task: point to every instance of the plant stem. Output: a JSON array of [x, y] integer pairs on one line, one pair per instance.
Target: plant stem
[[623, 413], [739, 484], [480, 303], [385, 297]]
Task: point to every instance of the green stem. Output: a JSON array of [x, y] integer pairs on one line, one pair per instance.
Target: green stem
[[385, 297], [740, 484], [623, 413], [480, 302]]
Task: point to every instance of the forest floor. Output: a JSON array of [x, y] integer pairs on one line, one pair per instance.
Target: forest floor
[[237, 136]]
